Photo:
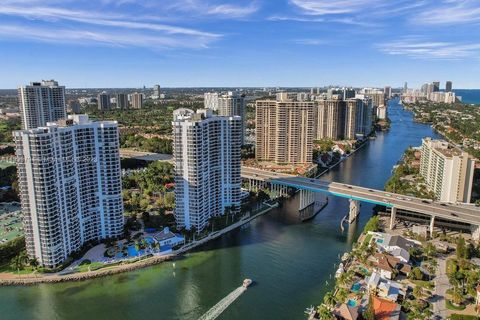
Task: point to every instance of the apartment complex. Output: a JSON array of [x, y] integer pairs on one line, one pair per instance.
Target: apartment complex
[[103, 101], [330, 119], [122, 101], [41, 102], [210, 100], [207, 166], [70, 186], [233, 104], [285, 130], [448, 171], [137, 100], [358, 118]]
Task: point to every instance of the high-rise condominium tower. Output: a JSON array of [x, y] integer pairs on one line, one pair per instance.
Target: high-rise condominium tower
[[207, 166], [330, 118], [448, 171], [137, 100], [70, 186], [448, 86], [233, 104], [122, 101], [285, 130], [436, 86], [210, 100], [358, 118], [156, 91], [103, 101], [41, 102]]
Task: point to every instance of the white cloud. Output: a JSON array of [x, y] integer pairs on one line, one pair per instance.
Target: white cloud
[[423, 49], [209, 8], [310, 42], [232, 11], [450, 12], [92, 27], [88, 37], [326, 7]]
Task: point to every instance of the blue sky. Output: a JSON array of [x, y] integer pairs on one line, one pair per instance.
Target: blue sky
[[131, 43]]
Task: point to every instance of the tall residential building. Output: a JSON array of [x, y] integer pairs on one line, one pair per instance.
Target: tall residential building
[[448, 86], [448, 171], [285, 131], [358, 118], [330, 119], [207, 166], [70, 186], [41, 102], [156, 91], [73, 106], [387, 91], [405, 87], [210, 100], [233, 104], [122, 101], [436, 86], [103, 101], [136, 100]]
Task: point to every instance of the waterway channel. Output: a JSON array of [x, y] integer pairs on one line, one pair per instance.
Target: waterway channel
[[291, 262]]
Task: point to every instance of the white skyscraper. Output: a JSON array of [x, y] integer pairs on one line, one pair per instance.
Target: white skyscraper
[[70, 186], [233, 104], [41, 102], [210, 100], [207, 166], [448, 171]]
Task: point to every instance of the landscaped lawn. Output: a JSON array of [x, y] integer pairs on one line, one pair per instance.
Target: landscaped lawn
[[450, 306]]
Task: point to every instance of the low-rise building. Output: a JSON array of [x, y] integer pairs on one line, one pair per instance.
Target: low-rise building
[[345, 312], [385, 309]]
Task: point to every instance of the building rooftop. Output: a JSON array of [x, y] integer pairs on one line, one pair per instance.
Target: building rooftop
[[345, 311], [385, 309]]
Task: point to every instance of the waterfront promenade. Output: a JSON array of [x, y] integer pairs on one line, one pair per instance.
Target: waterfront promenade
[[8, 279]]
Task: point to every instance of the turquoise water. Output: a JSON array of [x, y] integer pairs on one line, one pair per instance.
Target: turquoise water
[[352, 303], [289, 261], [356, 287]]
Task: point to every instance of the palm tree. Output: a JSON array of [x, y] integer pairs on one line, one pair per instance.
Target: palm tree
[[329, 299], [457, 297]]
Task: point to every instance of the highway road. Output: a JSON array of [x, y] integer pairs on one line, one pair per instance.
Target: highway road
[[454, 212]]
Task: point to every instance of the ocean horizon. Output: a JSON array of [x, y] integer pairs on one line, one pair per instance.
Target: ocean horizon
[[468, 95]]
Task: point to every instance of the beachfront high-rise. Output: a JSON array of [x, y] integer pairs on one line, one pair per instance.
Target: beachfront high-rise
[[41, 102], [448, 171], [285, 130], [70, 186], [233, 104], [207, 166]]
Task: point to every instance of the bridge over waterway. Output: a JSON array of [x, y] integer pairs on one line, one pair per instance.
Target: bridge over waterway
[[464, 213]]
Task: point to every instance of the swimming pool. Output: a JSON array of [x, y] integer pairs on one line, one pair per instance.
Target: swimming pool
[[352, 303], [356, 287]]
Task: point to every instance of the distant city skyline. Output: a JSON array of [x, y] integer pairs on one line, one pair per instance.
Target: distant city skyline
[[287, 43]]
